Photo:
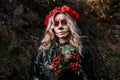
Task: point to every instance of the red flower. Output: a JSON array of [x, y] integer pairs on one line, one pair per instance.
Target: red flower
[[46, 20], [64, 8], [72, 63], [75, 63], [55, 63]]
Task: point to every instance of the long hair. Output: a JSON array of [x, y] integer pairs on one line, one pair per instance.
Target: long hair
[[74, 37]]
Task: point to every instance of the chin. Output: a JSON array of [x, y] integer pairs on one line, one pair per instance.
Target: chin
[[62, 36]]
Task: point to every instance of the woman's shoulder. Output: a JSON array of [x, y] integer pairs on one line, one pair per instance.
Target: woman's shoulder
[[41, 50], [86, 53], [85, 50], [39, 53]]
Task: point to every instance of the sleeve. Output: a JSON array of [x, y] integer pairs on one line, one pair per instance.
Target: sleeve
[[88, 63], [36, 67]]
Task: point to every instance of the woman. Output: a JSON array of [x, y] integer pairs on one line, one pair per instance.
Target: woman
[[61, 42]]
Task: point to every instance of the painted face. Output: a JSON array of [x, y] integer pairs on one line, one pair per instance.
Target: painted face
[[60, 26]]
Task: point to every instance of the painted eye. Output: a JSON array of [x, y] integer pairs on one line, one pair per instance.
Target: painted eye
[[64, 22], [56, 23]]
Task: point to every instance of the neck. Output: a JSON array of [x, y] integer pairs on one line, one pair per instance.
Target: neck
[[63, 40]]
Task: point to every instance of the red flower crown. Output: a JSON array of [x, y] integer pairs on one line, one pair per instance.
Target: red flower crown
[[64, 8]]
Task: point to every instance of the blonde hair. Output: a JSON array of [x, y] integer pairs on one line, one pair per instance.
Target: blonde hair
[[74, 38]]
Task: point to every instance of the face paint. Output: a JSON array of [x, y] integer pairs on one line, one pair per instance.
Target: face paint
[[63, 22], [61, 27]]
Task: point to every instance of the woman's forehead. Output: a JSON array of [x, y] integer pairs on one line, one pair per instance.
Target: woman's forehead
[[60, 16]]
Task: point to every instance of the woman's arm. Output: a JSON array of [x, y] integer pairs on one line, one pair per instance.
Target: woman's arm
[[88, 63], [36, 72]]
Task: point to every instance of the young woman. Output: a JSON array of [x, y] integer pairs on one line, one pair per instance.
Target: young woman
[[61, 55]]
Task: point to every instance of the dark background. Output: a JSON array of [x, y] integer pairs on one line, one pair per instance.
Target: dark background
[[21, 29]]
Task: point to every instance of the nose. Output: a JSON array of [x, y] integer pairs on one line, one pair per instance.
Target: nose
[[60, 28]]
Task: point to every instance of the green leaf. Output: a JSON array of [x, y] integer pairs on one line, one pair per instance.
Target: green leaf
[[78, 73], [60, 66], [67, 49]]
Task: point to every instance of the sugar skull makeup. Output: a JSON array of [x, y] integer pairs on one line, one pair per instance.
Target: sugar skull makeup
[[61, 28]]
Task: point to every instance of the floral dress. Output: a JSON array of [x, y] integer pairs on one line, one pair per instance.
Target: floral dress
[[62, 62]]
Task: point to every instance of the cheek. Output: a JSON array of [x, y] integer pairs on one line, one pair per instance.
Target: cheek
[[66, 28], [55, 30], [67, 32]]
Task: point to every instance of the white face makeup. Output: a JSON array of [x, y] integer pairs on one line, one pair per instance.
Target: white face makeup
[[60, 26]]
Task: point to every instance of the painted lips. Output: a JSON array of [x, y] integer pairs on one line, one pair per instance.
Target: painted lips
[[62, 32]]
